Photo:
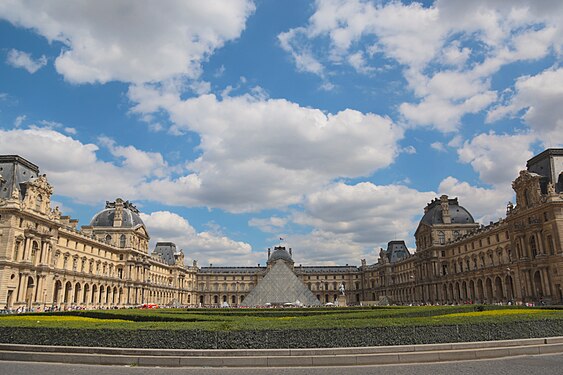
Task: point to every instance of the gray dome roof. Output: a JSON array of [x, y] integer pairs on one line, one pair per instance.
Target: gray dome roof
[[280, 253], [130, 217], [458, 214]]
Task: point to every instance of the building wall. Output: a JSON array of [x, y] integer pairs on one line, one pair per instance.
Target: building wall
[[46, 261]]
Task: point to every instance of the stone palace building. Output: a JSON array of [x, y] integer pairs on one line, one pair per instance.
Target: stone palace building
[[46, 260]]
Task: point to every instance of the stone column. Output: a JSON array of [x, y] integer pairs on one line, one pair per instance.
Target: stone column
[[21, 287], [539, 242], [39, 294], [26, 249], [545, 281]]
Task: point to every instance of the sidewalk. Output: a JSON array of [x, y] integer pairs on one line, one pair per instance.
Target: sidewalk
[[281, 357]]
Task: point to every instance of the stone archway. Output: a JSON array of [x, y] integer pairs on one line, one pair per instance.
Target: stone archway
[[480, 291], [94, 292], [77, 293], [68, 293], [464, 297], [29, 292], [444, 293], [538, 289], [499, 292], [85, 294], [509, 288], [57, 291], [472, 290], [489, 289]]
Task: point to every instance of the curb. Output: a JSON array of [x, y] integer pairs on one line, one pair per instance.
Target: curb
[[377, 355]]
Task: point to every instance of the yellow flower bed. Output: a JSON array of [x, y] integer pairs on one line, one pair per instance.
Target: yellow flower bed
[[67, 318], [494, 313]]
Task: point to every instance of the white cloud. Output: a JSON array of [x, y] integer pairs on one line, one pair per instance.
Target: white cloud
[[138, 41], [497, 158], [73, 168], [20, 59], [19, 121], [539, 97], [302, 55], [274, 224], [485, 205], [438, 146], [137, 161], [448, 51], [371, 214], [277, 151], [409, 150], [205, 247], [349, 221], [328, 249]]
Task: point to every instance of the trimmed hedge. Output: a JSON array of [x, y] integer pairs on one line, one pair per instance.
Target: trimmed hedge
[[198, 339]]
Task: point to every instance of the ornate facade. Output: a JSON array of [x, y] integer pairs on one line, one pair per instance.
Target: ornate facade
[[45, 260]]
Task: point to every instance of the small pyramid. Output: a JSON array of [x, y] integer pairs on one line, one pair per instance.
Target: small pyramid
[[280, 285]]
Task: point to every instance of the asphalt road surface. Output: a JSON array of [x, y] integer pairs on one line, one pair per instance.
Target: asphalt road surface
[[528, 365]]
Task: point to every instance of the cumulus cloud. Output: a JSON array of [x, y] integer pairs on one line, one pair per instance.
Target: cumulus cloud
[[345, 223], [73, 167], [205, 247], [438, 146], [497, 157], [539, 99], [138, 41], [324, 248], [448, 51], [484, 204], [276, 152], [274, 224], [371, 214], [20, 59]]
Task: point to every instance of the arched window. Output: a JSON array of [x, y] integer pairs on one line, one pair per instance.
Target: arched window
[[108, 239], [122, 241]]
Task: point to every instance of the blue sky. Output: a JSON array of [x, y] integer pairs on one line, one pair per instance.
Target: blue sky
[[233, 123]]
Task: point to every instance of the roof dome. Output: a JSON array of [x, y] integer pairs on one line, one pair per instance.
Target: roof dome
[[458, 214], [129, 215], [280, 253]]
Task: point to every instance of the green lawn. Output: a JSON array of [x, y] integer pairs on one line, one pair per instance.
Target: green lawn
[[268, 319]]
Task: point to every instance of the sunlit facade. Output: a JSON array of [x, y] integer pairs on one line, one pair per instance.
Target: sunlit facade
[[46, 261]]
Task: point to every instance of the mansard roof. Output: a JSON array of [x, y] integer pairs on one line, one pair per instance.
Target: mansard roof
[[458, 214], [130, 217]]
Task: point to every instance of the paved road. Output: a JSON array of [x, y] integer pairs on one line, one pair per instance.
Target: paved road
[[528, 365]]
